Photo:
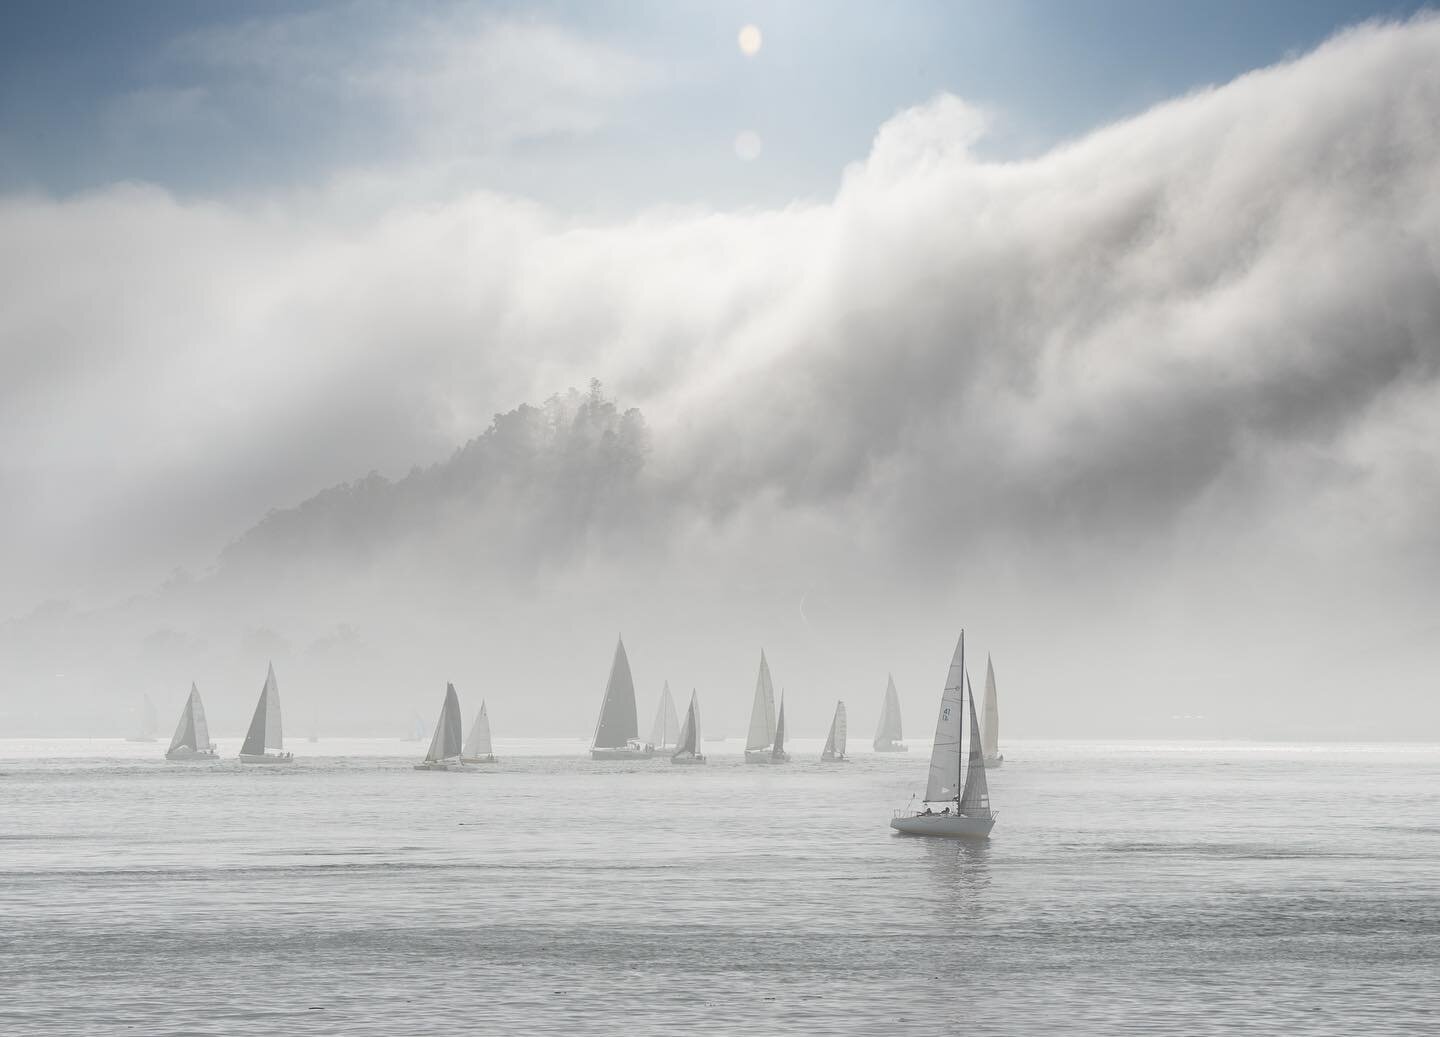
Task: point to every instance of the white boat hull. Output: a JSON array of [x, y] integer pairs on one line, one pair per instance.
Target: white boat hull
[[267, 758], [624, 753], [487, 758], [832, 758], [687, 759], [192, 754], [952, 826], [440, 765], [994, 761]]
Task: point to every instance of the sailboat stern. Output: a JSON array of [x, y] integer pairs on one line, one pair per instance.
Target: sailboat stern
[[950, 826]]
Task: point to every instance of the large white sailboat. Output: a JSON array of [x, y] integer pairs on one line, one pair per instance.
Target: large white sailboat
[[149, 722], [265, 741], [192, 735], [477, 744], [688, 749], [445, 748], [967, 810], [617, 734], [665, 732], [888, 736], [760, 739], [777, 751], [990, 720], [834, 751]]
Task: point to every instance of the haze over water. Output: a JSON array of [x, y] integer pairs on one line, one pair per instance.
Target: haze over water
[[1128, 888]]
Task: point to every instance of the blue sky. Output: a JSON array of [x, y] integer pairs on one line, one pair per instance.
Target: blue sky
[[247, 98]]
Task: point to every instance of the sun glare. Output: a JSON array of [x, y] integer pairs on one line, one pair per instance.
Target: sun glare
[[750, 41]]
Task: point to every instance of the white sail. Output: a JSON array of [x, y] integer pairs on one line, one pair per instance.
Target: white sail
[[888, 732], [762, 713], [975, 800], [990, 729], [666, 730], [944, 783], [778, 752], [835, 741], [199, 727], [618, 724], [445, 744], [689, 739], [478, 743], [265, 731], [186, 736]]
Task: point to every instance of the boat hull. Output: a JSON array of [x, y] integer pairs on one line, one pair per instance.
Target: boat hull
[[624, 753], [995, 761], [440, 765], [832, 758], [267, 758], [948, 826], [192, 754], [487, 758]]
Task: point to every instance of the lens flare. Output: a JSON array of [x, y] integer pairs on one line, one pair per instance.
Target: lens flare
[[750, 41]]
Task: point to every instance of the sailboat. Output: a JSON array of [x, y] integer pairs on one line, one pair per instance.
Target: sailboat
[[967, 810], [149, 723], [617, 735], [834, 751], [761, 737], [887, 736], [418, 729], [688, 749], [777, 751], [665, 732], [265, 733], [990, 720], [192, 734], [477, 745], [444, 753]]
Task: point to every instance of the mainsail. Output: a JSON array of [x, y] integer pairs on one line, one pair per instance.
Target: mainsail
[[192, 732], [445, 744], [835, 743], [478, 744], [666, 729], [990, 730], [689, 741], [618, 722], [889, 730], [975, 800], [762, 713], [265, 730], [778, 753], [944, 783]]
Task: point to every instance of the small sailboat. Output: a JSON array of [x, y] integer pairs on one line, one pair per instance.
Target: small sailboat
[[149, 723], [617, 734], [477, 744], [888, 736], [445, 748], [761, 736], [665, 732], [419, 730], [688, 749], [265, 741], [192, 734], [777, 751], [990, 720], [967, 810], [834, 751]]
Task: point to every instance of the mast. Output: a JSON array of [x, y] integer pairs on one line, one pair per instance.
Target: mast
[[618, 723]]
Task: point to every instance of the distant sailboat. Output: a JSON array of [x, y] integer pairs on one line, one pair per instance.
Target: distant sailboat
[[777, 752], [888, 736], [419, 730], [990, 720], [149, 722], [665, 732], [967, 804], [445, 748], [265, 732], [688, 749], [477, 746], [834, 751], [617, 735], [192, 734], [761, 736]]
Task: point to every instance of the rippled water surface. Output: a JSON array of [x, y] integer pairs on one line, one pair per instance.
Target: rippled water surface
[[1126, 889]]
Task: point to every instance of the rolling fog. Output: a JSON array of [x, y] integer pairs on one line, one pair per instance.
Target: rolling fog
[[1153, 415]]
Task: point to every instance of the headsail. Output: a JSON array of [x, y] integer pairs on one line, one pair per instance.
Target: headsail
[[265, 729], [478, 743], [666, 729], [835, 742], [689, 741], [975, 800], [762, 713], [191, 732], [888, 732], [618, 723], [990, 730], [445, 743], [778, 753], [944, 783]]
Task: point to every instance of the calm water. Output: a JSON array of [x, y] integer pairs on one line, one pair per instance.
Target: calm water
[[1127, 889]]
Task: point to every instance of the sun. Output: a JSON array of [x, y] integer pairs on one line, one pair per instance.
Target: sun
[[750, 40]]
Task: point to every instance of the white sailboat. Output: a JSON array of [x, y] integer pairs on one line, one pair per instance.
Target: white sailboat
[[888, 736], [834, 751], [967, 810], [617, 734], [149, 722], [665, 732], [777, 751], [688, 749], [445, 748], [265, 741], [990, 720], [192, 735], [477, 744], [761, 736]]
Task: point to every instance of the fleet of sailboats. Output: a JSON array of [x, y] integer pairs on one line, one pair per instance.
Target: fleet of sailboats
[[445, 747], [688, 749], [265, 741], [665, 732], [191, 740], [617, 734], [834, 751], [957, 767], [760, 739], [990, 720], [477, 744], [888, 738]]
